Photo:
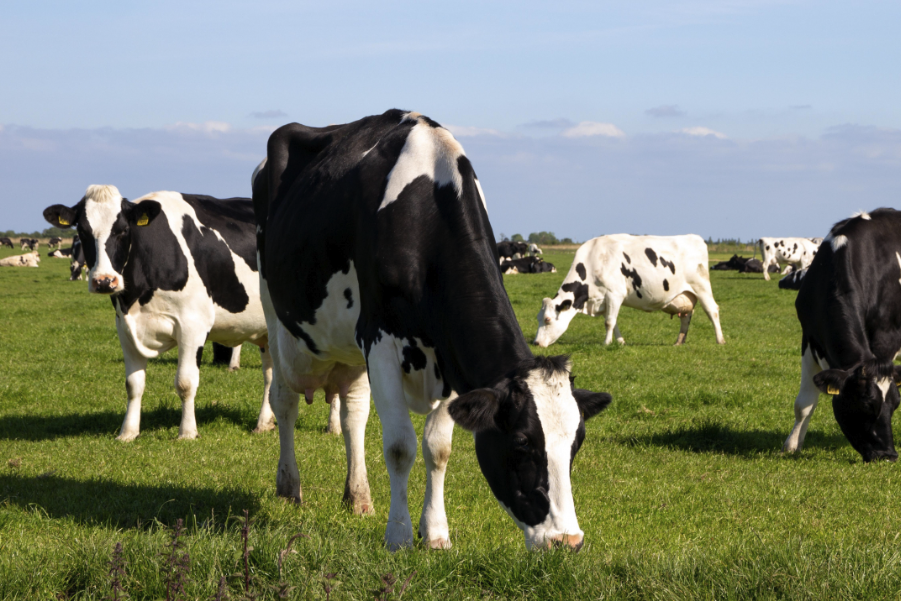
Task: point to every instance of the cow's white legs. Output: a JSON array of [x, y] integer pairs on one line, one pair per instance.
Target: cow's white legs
[[187, 379], [788, 269], [612, 305], [685, 321], [398, 438], [354, 413], [705, 295], [805, 403], [766, 269], [436, 448], [266, 419], [235, 363], [284, 403], [334, 413], [135, 374]]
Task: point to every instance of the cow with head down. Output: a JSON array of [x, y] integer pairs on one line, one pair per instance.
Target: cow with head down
[[180, 269], [651, 273]]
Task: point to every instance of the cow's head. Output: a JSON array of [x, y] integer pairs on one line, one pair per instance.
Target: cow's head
[[528, 429], [105, 222], [863, 401], [554, 317]]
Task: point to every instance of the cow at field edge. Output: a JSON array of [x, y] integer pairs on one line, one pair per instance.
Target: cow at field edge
[[850, 312], [527, 265], [651, 273], [180, 269], [6, 242], [78, 265], [508, 250], [797, 252], [375, 242], [61, 253], [55, 241]]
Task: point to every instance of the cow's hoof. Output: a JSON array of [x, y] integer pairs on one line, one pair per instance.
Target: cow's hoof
[[363, 509], [439, 544], [333, 430], [127, 436], [232, 369], [398, 546], [188, 436], [264, 428]]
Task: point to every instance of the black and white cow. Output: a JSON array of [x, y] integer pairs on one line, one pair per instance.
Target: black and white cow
[[78, 267], [376, 250], [55, 241], [29, 243], [60, 253], [6, 242], [180, 269], [850, 313], [797, 252], [509, 250], [527, 265], [651, 273]]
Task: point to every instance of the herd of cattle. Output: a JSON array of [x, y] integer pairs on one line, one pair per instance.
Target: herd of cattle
[[365, 264]]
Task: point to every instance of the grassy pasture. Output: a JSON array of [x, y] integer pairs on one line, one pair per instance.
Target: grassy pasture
[[680, 487]]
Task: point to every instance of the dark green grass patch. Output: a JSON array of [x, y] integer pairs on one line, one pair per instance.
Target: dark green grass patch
[[680, 487]]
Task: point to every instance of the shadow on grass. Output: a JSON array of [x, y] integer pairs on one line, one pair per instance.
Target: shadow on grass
[[716, 438], [49, 427], [103, 502]]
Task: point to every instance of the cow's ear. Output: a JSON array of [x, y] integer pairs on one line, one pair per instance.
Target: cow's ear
[[141, 213], [831, 381], [60, 216], [591, 403], [476, 410]]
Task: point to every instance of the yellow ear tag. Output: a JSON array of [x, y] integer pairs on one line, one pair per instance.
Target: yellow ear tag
[[833, 390], [143, 220], [62, 221]]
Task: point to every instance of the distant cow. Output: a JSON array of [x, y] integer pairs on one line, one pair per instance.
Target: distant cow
[[534, 250], [78, 267], [527, 265], [375, 251], [651, 273], [29, 243], [60, 253], [508, 250], [756, 266], [793, 280], [797, 252], [27, 260], [744, 265], [181, 269], [850, 313], [55, 241], [6, 242]]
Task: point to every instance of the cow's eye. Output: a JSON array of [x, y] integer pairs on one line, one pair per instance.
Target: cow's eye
[[521, 442]]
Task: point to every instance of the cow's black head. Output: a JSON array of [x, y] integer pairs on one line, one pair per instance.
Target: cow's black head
[[105, 221], [527, 430], [863, 401]]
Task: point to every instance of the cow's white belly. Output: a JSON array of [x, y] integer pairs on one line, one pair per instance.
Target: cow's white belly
[[653, 296]]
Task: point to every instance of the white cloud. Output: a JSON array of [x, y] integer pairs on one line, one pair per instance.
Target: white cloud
[[701, 132], [207, 127], [468, 131], [593, 128]]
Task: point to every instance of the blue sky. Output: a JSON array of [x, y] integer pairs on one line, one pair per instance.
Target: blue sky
[[727, 119]]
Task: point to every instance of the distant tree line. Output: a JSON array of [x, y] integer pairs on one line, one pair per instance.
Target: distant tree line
[[539, 238], [50, 232]]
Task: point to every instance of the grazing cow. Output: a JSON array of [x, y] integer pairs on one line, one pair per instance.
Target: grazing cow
[[55, 241], [797, 252], [651, 273], [508, 250], [850, 313], [79, 266], [6, 242], [27, 260], [29, 243], [793, 280], [374, 243], [527, 265], [180, 269]]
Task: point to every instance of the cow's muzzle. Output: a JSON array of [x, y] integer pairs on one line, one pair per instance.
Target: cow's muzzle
[[573, 542], [105, 285]]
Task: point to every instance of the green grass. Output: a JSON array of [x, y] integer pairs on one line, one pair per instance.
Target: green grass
[[680, 486]]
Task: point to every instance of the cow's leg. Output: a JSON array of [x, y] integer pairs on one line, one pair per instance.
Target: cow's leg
[[612, 305], [805, 403], [398, 437], [685, 321], [235, 363], [704, 293], [334, 413], [187, 379], [266, 419], [788, 269], [284, 403], [354, 413], [135, 373], [436, 448], [766, 269]]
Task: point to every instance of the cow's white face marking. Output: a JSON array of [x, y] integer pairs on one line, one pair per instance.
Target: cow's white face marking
[[837, 242], [101, 208], [559, 416], [884, 385], [552, 323], [429, 151]]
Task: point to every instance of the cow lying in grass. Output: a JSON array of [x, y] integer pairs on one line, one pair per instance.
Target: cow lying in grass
[[27, 260]]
